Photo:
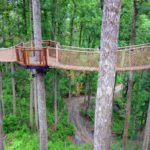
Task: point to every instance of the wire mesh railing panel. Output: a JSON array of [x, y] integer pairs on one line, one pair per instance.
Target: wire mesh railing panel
[[140, 57], [122, 59], [128, 58], [77, 58], [77, 48], [133, 58], [51, 52], [7, 54]]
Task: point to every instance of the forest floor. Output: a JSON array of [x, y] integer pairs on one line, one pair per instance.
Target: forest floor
[[83, 130], [82, 133]]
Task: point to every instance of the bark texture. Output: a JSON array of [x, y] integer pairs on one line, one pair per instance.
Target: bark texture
[[131, 79], [24, 17], [54, 15], [31, 21], [72, 22], [128, 111], [13, 87], [147, 131], [106, 80], [40, 77], [55, 99], [1, 115], [31, 104], [35, 101]]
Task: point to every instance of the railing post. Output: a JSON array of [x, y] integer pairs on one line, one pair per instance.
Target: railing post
[[123, 58], [57, 46], [17, 54], [40, 55], [24, 56], [47, 55]]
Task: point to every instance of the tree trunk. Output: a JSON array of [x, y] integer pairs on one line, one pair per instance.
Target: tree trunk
[[134, 17], [54, 18], [35, 102], [34, 84], [72, 23], [40, 77], [1, 115], [88, 92], [55, 100], [106, 79], [69, 85], [31, 104], [101, 4], [2, 99], [130, 82], [13, 87], [80, 36], [128, 111], [6, 68], [24, 17], [147, 131], [31, 23]]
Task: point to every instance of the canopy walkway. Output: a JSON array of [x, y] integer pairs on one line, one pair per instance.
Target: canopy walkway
[[131, 58]]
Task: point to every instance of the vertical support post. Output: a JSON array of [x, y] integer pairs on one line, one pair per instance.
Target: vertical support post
[[24, 56], [45, 56], [1, 116], [57, 52]]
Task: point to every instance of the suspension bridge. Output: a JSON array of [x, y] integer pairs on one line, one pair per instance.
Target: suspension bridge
[[52, 54]]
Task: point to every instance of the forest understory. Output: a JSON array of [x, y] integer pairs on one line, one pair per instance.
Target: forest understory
[[57, 109]]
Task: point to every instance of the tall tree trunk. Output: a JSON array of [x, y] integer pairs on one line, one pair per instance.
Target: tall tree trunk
[[24, 17], [72, 22], [31, 104], [34, 84], [88, 92], [40, 78], [6, 68], [55, 99], [133, 28], [130, 82], [13, 87], [69, 85], [101, 4], [69, 88], [80, 36], [31, 22], [35, 103], [1, 115], [2, 99], [128, 110], [147, 130], [54, 19], [106, 79]]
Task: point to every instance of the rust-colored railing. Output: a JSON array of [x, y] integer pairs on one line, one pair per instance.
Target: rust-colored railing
[[31, 56], [128, 58]]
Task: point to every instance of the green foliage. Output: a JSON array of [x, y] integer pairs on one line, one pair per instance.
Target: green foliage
[[143, 29], [131, 145], [22, 140], [11, 123], [86, 33], [64, 129]]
